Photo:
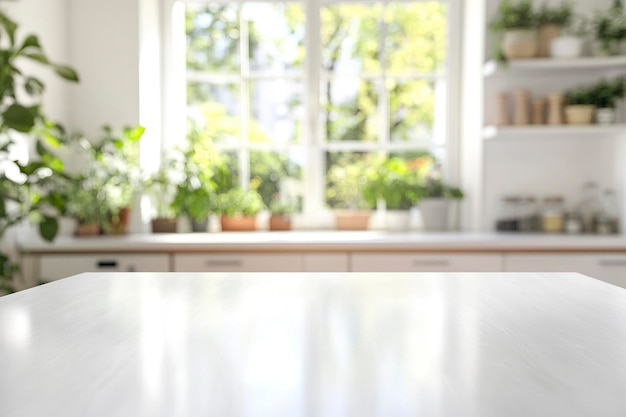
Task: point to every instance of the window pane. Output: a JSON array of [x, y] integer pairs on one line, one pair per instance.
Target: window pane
[[277, 173], [412, 109], [350, 110], [277, 111], [345, 179], [276, 35], [212, 37], [350, 36], [416, 36], [213, 111]]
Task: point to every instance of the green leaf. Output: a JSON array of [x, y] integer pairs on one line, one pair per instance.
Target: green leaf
[[33, 86], [48, 228], [66, 72], [30, 42], [10, 27], [37, 57], [3, 208], [41, 150], [31, 167], [136, 133], [19, 118]]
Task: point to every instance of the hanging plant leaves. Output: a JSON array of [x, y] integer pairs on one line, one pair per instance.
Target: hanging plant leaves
[[66, 72], [36, 57], [10, 26], [30, 42], [19, 118], [48, 228]]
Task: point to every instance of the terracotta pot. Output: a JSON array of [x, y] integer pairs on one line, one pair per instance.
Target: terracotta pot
[[545, 35], [278, 222], [579, 114], [89, 229], [164, 225], [352, 220], [119, 224], [520, 43], [238, 224]]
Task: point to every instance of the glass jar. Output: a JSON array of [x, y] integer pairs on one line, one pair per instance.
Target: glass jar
[[508, 214], [528, 214], [552, 214]]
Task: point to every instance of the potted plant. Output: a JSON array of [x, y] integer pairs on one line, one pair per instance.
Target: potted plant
[[346, 180], [517, 23], [86, 203], [161, 187], [26, 196], [194, 200], [579, 105], [281, 212], [238, 209], [605, 93], [395, 181], [569, 43], [609, 28], [436, 197], [551, 21]]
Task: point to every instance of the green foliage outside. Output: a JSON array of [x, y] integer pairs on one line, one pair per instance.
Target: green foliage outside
[[350, 33]]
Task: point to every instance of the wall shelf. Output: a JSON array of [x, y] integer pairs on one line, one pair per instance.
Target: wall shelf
[[543, 131], [492, 68]]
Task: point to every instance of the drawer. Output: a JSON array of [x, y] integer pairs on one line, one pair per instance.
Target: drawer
[[435, 262], [326, 262], [229, 262], [53, 267]]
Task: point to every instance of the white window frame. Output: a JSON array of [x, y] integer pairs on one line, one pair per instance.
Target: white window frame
[[315, 214]]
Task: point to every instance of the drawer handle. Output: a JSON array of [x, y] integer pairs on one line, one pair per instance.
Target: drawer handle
[[612, 262], [431, 262], [224, 262], [107, 264]]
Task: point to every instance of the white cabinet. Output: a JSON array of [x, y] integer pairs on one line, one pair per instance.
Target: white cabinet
[[607, 267], [432, 262], [326, 262], [52, 267], [238, 262]]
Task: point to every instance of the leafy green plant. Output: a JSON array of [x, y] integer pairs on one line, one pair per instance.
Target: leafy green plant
[[580, 95], [606, 92], [609, 27], [395, 181], [560, 15], [238, 202], [161, 188], [86, 199], [279, 207], [509, 15], [194, 200], [26, 188]]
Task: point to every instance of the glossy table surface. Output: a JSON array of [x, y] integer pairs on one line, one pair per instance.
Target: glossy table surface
[[230, 345]]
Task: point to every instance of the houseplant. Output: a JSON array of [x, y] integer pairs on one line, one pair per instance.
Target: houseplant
[[605, 93], [609, 28], [281, 212], [238, 209], [26, 195], [551, 20], [579, 105], [195, 200], [436, 197], [569, 43], [395, 181], [86, 202], [161, 186], [517, 24], [346, 180]]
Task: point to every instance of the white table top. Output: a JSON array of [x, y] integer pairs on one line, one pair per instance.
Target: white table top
[[247, 345]]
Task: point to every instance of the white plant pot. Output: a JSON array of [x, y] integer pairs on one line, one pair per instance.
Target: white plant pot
[[435, 213], [67, 226], [398, 220], [566, 47], [605, 116]]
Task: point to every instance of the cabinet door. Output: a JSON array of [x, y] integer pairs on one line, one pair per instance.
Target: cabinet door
[[608, 267], [433, 262], [326, 262], [53, 267], [229, 262]]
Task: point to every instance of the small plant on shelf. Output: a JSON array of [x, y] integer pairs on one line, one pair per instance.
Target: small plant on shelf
[[281, 213], [579, 105], [515, 30], [609, 28], [239, 208]]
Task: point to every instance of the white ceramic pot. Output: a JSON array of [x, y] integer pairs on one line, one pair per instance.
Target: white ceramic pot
[[398, 220], [520, 43], [566, 47], [605, 116], [435, 213]]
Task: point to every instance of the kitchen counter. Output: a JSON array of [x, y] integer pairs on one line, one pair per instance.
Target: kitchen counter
[[312, 345], [312, 241]]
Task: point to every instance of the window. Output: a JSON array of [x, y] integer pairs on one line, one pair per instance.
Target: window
[[295, 93]]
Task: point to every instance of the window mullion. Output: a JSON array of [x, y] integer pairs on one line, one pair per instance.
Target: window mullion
[[314, 173], [244, 97]]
